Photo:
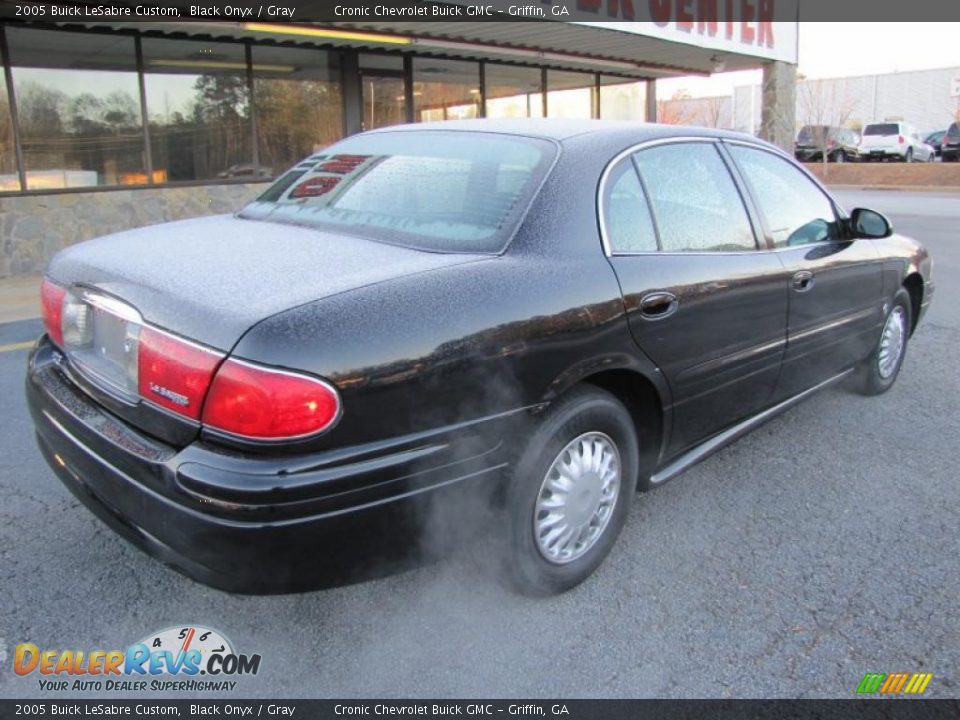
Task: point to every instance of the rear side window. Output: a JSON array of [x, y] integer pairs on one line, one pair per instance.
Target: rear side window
[[797, 212], [696, 205], [434, 190], [629, 226], [882, 129]]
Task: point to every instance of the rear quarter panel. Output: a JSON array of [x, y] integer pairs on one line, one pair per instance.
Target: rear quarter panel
[[505, 332]]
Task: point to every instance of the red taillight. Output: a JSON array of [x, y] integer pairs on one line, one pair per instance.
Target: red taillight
[[265, 404], [173, 373], [51, 303], [901, 140]]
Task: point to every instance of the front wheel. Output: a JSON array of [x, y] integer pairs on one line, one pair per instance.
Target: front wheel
[[878, 372], [909, 156], [570, 492]]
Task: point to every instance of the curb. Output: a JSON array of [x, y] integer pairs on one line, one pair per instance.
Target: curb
[[899, 188]]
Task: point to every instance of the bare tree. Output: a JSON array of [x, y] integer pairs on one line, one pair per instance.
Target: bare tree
[[824, 104], [711, 111], [674, 111]]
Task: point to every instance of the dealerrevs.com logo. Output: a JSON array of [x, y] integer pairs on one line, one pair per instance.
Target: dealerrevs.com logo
[[183, 658]]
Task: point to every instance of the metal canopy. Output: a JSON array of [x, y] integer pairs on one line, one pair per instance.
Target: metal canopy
[[552, 44]]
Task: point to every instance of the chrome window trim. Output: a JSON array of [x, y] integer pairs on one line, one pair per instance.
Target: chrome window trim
[[609, 252]]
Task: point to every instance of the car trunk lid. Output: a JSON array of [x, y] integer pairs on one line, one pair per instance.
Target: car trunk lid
[[211, 279], [180, 295]]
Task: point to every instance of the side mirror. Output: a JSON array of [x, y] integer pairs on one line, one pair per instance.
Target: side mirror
[[869, 224]]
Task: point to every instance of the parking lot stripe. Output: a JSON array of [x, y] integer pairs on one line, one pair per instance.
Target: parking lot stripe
[[16, 346]]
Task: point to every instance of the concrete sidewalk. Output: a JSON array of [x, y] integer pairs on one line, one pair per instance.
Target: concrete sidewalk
[[19, 298]]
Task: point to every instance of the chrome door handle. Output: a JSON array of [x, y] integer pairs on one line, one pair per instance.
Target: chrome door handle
[[803, 281], [658, 305]]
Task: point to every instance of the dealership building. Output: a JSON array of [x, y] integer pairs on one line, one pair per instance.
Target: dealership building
[[106, 125]]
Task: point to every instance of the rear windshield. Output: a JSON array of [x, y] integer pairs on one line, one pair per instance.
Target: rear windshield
[[954, 130], [882, 129], [809, 133], [436, 190]]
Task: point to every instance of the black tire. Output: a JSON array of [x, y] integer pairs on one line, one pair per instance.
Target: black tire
[[870, 379], [583, 410], [909, 156]]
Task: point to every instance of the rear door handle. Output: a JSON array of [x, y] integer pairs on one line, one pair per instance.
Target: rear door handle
[[803, 281], [658, 305]]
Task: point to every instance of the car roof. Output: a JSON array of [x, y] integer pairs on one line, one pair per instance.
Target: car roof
[[561, 130]]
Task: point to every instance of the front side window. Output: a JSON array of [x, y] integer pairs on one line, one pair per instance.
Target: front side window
[[797, 212], [627, 221], [434, 190], [696, 205]]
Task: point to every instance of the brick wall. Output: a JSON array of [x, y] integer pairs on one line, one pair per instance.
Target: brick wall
[[33, 228], [945, 175]]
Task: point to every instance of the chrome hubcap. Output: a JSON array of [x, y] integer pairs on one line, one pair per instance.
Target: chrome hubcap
[[891, 342], [577, 498]]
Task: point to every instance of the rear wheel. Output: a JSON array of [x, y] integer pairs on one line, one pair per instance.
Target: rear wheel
[[570, 492], [878, 372], [909, 156]]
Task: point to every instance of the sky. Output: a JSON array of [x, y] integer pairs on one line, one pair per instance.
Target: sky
[[843, 49]]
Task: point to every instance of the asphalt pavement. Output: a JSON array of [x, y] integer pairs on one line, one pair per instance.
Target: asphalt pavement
[[823, 546]]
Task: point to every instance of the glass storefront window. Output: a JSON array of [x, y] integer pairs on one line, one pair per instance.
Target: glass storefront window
[[623, 99], [570, 94], [199, 110], [299, 106], [9, 177], [78, 107], [81, 119], [513, 91], [445, 89], [384, 101]]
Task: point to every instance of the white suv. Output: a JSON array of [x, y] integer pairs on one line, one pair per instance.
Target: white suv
[[894, 141]]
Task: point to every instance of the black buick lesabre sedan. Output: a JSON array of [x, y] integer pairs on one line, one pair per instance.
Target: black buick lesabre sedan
[[563, 312]]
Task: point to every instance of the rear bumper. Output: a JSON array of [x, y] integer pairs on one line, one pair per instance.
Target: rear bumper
[[807, 154], [255, 524], [880, 153]]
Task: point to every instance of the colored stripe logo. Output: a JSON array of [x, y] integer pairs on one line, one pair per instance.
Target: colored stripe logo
[[894, 683]]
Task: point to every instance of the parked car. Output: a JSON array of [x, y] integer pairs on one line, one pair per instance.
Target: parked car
[[894, 141], [935, 140], [243, 170], [558, 312], [950, 151], [839, 143]]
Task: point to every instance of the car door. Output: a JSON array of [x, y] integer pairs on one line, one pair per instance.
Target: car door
[[834, 284], [702, 302]]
